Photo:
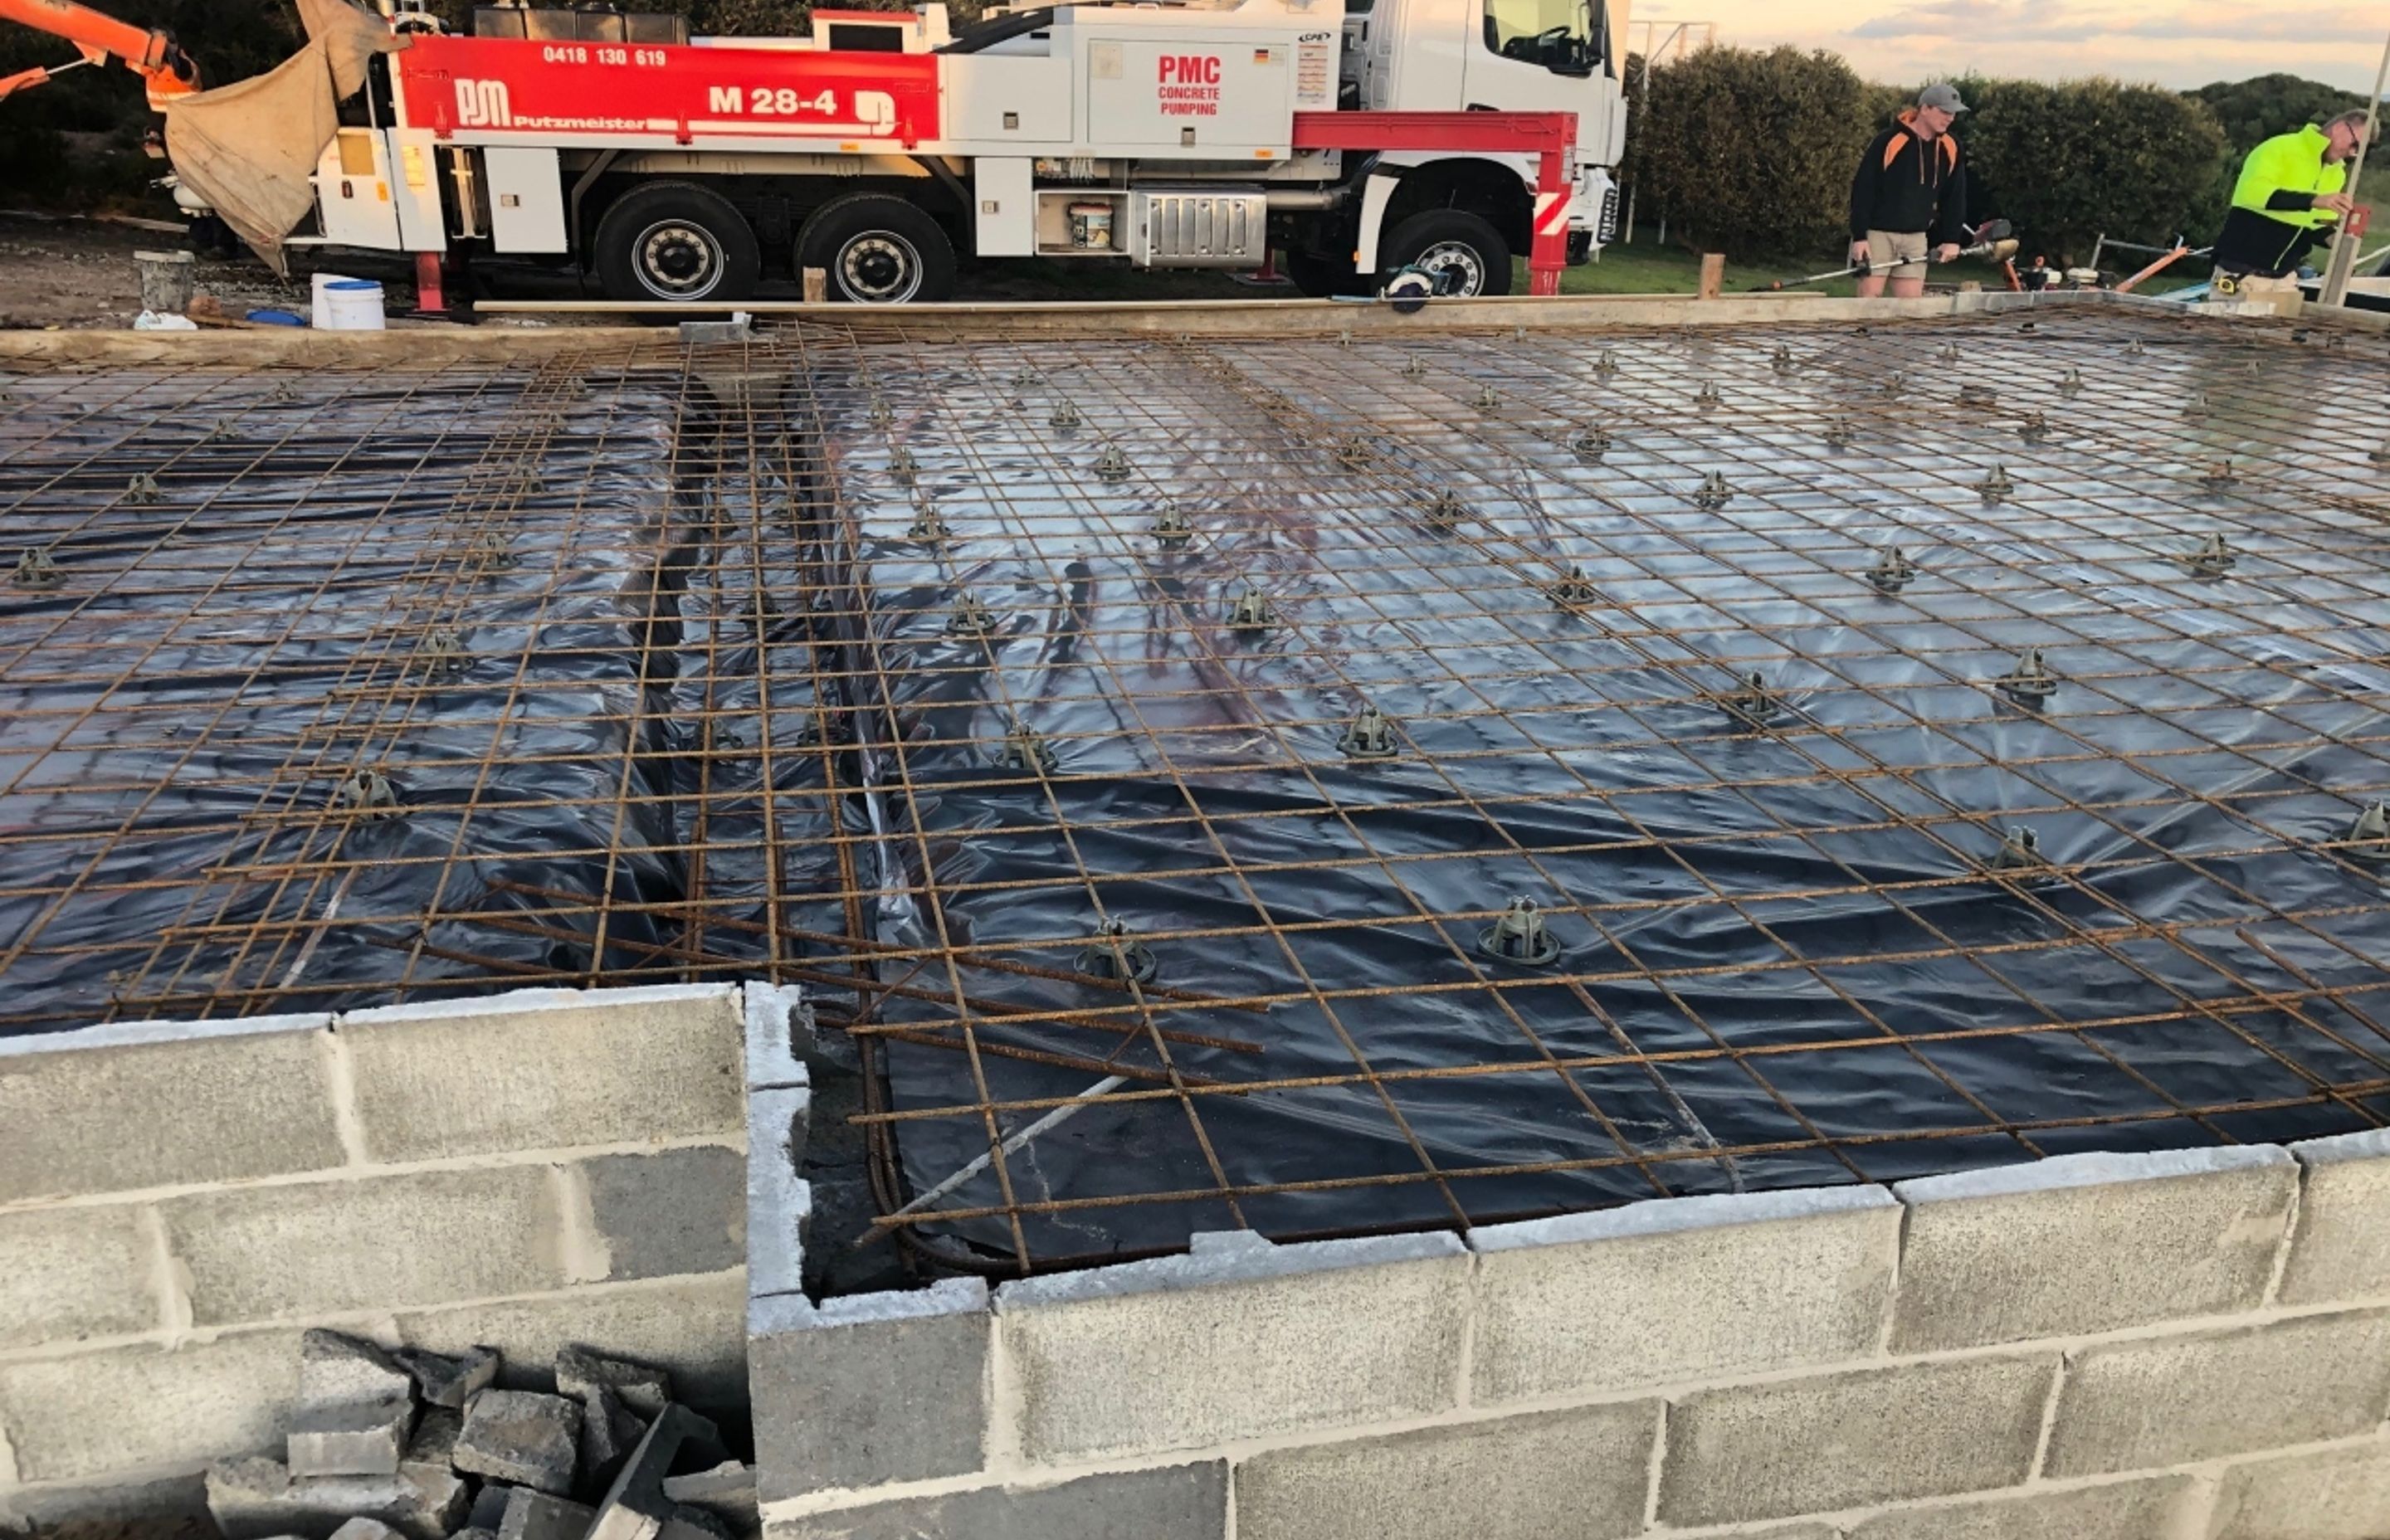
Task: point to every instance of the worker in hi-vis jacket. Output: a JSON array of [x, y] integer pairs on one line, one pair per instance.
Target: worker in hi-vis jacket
[[2288, 201], [1910, 195]]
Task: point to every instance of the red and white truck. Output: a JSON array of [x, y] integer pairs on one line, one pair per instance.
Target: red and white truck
[[1444, 136]]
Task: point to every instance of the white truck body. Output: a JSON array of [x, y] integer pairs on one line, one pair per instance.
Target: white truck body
[[1164, 135]]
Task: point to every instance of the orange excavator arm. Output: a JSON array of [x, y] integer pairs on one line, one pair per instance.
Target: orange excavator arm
[[154, 55]]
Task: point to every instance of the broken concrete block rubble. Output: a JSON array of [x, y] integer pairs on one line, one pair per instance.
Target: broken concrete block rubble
[[694, 1523], [538, 1515], [521, 1436], [366, 1528], [337, 1371], [489, 1506], [366, 1439], [728, 1491], [447, 1382], [637, 1507], [253, 1499], [430, 1450], [580, 1372], [411, 1446], [609, 1430]]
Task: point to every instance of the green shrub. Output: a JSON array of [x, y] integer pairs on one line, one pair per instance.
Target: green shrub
[[2252, 110], [1750, 153], [2068, 161]]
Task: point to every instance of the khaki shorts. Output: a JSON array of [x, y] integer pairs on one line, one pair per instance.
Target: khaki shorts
[[2282, 296], [1907, 248], [2257, 283]]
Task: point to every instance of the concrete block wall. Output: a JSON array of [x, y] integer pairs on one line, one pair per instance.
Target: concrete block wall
[[2179, 1346], [179, 1200]]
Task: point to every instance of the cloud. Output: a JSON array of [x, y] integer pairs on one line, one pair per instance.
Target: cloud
[[2345, 25], [2011, 21]]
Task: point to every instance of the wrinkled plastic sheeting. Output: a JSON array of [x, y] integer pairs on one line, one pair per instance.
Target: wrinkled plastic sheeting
[[1537, 704], [262, 611]]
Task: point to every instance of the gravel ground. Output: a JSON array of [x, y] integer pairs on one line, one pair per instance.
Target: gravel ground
[[71, 273], [74, 274]]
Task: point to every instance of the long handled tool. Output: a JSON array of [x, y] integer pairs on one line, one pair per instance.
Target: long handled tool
[[1991, 240]]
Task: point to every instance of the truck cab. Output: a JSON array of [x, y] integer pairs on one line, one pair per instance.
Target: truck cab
[[1509, 56], [1473, 56]]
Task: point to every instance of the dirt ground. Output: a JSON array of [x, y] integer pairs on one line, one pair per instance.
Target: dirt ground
[[79, 274], [76, 274]]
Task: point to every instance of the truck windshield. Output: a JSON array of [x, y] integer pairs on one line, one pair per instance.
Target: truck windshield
[[1558, 34]]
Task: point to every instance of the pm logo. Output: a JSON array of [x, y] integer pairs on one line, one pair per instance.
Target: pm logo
[[482, 103]]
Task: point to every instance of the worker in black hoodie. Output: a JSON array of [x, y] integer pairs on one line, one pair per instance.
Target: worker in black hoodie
[[1910, 195]]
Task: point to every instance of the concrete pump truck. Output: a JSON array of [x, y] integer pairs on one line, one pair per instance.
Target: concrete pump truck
[[1358, 140]]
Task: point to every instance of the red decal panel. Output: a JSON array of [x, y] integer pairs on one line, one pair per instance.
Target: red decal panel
[[545, 90]]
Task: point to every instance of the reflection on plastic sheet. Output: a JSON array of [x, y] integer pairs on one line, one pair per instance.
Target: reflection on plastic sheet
[[2029, 848]]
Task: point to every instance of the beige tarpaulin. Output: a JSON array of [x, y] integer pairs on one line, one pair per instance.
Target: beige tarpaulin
[[349, 37], [251, 149]]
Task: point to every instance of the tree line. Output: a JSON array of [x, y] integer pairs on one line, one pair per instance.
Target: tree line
[[1750, 152]]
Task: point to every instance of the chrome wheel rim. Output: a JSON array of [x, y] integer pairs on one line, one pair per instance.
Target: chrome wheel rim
[[1455, 257], [879, 267], [675, 259]]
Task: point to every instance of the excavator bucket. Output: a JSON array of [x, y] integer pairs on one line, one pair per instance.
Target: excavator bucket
[[251, 149]]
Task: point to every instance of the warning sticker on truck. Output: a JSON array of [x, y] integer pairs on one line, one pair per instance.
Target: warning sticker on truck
[[1315, 71]]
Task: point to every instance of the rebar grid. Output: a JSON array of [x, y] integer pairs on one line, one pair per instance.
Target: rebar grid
[[900, 666]]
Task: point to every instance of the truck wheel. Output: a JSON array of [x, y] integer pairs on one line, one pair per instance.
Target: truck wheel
[[678, 241], [1449, 241], [878, 251]]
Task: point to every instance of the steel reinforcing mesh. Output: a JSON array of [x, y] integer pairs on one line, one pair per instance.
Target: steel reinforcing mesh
[[1921, 746]]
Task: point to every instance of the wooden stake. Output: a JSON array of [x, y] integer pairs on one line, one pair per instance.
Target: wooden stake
[[1713, 275]]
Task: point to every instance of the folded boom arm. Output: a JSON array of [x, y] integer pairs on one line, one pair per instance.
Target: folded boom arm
[[154, 55]]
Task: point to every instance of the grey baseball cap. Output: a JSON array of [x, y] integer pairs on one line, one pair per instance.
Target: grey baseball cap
[[1943, 95]]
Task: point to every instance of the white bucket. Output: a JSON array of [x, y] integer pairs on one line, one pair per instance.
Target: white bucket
[[353, 304], [323, 316]]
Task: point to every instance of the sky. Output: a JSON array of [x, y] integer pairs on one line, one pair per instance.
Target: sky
[[2175, 43]]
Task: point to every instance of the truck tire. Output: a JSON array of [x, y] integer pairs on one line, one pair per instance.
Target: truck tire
[[1447, 240], [878, 251], [676, 241]]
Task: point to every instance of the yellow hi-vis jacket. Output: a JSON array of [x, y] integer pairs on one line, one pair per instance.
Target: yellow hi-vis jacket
[[2273, 223], [2282, 175]]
